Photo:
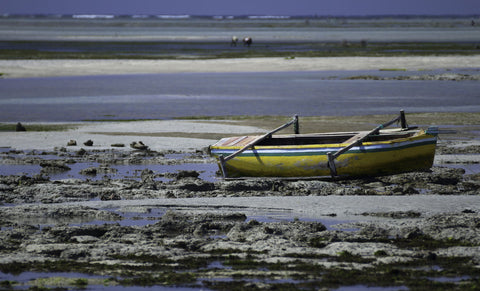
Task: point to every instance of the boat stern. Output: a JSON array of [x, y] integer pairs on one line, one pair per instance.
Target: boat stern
[[433, 130]]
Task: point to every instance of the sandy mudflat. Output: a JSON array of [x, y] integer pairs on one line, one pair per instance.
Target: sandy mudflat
[[106, 133], [317, 207], [49, 68]]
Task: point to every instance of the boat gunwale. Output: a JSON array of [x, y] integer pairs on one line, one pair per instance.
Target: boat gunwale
[[400, 137]]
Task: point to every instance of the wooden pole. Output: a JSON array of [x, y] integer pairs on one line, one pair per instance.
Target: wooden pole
[[331, 164], [296, 125], [403, 120]]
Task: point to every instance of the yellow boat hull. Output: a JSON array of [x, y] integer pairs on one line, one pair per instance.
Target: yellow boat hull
[[368, 159]]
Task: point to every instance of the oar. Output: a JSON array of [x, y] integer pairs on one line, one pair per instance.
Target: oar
[[359, 138], [257, 140]]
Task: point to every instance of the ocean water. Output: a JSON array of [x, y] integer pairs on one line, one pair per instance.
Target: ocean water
[[221, 28], [165, 96]]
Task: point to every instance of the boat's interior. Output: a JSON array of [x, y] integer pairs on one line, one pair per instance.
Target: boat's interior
[[332, 138]]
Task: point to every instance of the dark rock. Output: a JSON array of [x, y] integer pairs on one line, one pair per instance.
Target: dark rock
[[92, 171], [474, 177], [20, 127], [412, 233], [72, 142], [88, 143], [148, 179], [374, 232], [74, 254], [81, 152], [66, 233], [395, 214], [147, 176], [431, 256], [54, 167], [248, 185], [197, 185], [110, 196], [448, 177], [187, 174], [138, 145]]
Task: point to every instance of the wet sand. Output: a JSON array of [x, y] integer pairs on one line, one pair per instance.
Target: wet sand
[[253, 233], [50, 68], [155, 134]]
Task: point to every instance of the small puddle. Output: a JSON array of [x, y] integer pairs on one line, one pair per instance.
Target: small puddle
[[146, 215], [218, 265], [470, 169], [449, 279], [5, 149], [27, 170], [25, 280], [207, 171], [283, 216], [369, 288], [265, 281], [29, 276]]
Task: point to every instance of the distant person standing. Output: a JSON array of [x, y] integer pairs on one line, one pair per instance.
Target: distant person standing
[[234, 41], [247, 41]]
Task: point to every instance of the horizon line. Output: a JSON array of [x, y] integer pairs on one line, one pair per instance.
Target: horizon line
[[236, 15]]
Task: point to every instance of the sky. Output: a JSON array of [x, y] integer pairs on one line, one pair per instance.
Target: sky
[[243, 7]]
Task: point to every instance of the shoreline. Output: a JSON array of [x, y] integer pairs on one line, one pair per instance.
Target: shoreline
[[70, 67], [194, 134]]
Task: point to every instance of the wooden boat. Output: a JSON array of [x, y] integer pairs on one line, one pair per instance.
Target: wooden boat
[[340, 154]]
